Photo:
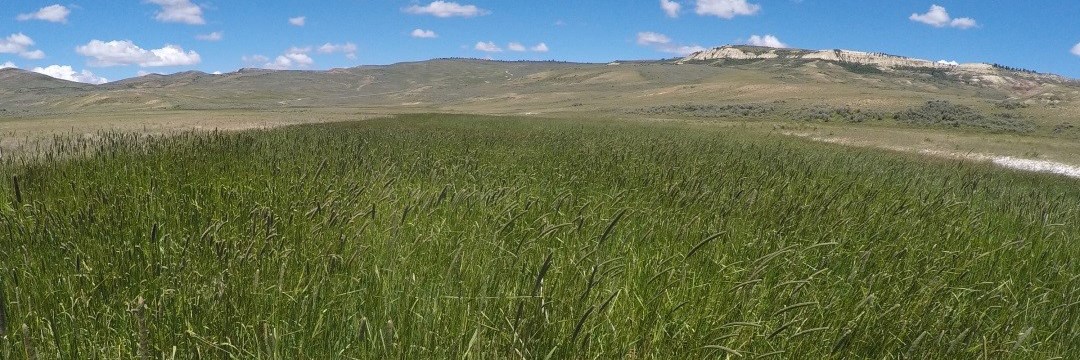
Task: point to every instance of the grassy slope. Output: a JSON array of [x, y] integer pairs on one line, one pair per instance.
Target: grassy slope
[[438, 237], [488, 87]]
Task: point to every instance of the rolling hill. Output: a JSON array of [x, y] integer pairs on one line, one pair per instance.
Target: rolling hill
[[729, 75]]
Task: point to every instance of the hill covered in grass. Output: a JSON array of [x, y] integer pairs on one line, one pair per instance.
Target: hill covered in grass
[[732, 75]]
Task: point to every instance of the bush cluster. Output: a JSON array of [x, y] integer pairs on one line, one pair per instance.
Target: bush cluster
[[938, 113], [944, 113], [836, 114], [709, 110]]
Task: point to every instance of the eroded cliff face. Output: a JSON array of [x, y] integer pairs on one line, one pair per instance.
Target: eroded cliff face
[[857, 57], [972, 73]]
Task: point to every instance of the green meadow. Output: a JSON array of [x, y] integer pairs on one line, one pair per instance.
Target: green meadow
[[470, 237]]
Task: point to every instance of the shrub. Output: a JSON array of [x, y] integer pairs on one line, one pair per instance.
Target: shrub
[[944, 113]]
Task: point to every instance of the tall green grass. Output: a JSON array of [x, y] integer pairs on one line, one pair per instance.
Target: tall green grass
[[470, 237]]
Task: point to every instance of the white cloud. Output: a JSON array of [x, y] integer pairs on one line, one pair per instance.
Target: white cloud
[[649, 38], [52, 13], [445, 9], [293, 58], [172, 55], [1076, 49], [214, 36], [518, 47], [65, 72], [766, 40], [937, 16], [178, 11], [15, 43], [298, 21], [8, 65], [663, 43], [216, 73], [33, 54], [424, 34], [290, 60], [963, 23], [125, 52], [349, 49], [726, 9], [329, 48], [671, 8], [20, 44], [948, 62], [686, 50], [487, 47]]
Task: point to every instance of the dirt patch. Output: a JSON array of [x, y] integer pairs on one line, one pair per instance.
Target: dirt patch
[[1032, 165]]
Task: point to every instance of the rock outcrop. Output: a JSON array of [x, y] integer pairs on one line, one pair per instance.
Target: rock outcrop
[[972, 73]]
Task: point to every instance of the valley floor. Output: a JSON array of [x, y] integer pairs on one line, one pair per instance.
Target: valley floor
[[466, 236], [1059, 155]]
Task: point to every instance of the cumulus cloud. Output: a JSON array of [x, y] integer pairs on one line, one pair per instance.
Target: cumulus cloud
[[445, 9], [1076, 49], [298, 21], [65, 72], [20, 44], [125, 52], [649, 38], [963, 23], [16, 43], [518, 47], [349, 49], [178, 11], [671, 8], [52, 13], [487, 47], [214, 36], [937, 16], [8, 65], [33, 54], [330, 48], [766, 40], [726, 9], [663, 43], [293, 58], [290, 60], [424, 34]]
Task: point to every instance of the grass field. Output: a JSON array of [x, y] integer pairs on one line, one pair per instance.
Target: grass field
[[435, 236]]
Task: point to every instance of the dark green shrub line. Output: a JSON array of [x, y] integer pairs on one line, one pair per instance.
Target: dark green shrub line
[[937, 113]]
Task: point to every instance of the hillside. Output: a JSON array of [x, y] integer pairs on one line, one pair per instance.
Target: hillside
[[730, 75]]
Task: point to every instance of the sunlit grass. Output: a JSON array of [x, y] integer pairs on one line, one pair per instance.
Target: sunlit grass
[[457, 236]]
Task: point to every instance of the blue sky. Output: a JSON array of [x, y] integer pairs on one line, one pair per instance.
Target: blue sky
[[94, 40]]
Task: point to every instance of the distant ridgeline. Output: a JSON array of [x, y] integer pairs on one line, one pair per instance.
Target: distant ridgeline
[[874, 63]]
